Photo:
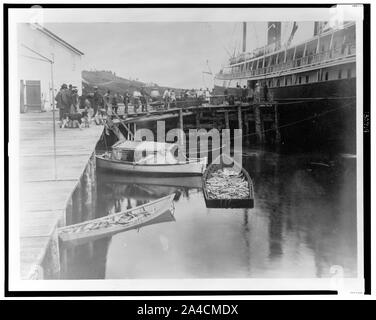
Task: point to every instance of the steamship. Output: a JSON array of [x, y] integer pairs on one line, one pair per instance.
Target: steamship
[[314, 82]]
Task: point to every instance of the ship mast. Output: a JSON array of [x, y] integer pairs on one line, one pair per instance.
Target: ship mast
[[244, 36]]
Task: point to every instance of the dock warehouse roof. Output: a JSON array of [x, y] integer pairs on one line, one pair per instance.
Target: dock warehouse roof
[[56, 38]]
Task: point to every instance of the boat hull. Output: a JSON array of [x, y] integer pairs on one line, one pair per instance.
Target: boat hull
[[156, 208], [189, 168], [323, 89]]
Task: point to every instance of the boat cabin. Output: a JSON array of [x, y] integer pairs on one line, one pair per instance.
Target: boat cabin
[[144, 152]]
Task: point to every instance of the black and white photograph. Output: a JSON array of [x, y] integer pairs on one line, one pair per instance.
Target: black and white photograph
[[186, 148]]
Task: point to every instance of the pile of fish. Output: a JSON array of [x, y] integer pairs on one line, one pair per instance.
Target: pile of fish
[[115, 220], [227, 183]]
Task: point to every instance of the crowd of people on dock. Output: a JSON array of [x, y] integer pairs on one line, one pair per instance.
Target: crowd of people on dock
[[93, 107], [256, 94], [82, 110]]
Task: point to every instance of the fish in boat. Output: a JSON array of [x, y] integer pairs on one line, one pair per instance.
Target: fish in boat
[[133, 218], [227, 185]]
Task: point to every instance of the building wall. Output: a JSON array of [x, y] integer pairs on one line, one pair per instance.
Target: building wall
[[67, 63]]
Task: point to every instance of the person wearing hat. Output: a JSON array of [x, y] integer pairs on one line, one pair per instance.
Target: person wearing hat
[[126, 101], [63, 101], [97, 100], [250, 94], [74, 98], [59, 101]]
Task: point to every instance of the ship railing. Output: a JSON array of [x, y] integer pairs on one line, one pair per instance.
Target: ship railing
[[297, 63]]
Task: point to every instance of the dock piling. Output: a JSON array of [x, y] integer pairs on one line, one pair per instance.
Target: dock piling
[[227, 120], [240, 123], [276, 124], [258, 123]]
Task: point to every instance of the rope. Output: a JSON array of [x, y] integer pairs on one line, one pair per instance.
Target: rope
[[299, 121]]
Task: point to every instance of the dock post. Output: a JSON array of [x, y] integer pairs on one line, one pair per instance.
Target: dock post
[[227, 121], [258, 123], [246, 124], [87, 193], [93, 182], [240, 122], [77, 203], [69, 212], [276, 124]]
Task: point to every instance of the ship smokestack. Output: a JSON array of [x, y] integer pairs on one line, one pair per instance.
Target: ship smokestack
[[274, 32], [244, 36]]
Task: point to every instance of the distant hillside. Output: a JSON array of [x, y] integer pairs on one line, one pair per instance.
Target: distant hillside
[[107, 80]]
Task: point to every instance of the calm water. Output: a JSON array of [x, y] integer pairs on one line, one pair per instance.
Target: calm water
[[304, 222]]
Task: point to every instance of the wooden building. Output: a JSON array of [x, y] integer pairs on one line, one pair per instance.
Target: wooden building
[[38, 48]]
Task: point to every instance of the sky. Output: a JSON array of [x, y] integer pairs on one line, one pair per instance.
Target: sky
[[167, 53]]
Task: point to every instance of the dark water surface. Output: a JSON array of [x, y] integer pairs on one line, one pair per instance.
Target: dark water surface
[[303, 223]]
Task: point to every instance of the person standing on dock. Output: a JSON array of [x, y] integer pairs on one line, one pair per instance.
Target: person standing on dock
[[97, 100], [74, 106], [206, 97], [107, 102], [136, 98], [166, 99], [144, 107], [114, 103], [250, 95], [244, 94], [60, 104], [126, 100], [173, 99]]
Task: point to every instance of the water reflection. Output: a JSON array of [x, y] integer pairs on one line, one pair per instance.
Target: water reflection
[[304, 222]]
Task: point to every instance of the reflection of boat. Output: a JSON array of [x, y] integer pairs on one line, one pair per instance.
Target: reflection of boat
[[192, 182], [144, 191], [149, 157], [109, 225], [216, 186]]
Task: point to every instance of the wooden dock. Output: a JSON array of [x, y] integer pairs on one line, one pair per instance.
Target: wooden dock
[[242, 115], [48, 178]]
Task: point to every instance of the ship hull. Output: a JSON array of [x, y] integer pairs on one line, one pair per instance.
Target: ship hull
[[324, 89], [315, 115]]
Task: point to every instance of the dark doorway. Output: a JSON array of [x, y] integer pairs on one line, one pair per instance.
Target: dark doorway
[[33, 96]]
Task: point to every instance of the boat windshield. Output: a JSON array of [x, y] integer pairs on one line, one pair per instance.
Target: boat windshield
[[147, 152], [123, 155]]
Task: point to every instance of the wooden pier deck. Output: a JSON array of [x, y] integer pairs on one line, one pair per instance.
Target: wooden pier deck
[[47, 181], [209, 116]]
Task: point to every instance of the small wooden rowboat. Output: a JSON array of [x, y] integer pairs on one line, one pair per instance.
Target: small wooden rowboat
[[227, 186], [134, 218]]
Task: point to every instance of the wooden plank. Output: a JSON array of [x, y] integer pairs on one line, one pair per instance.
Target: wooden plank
[[44, 198]]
